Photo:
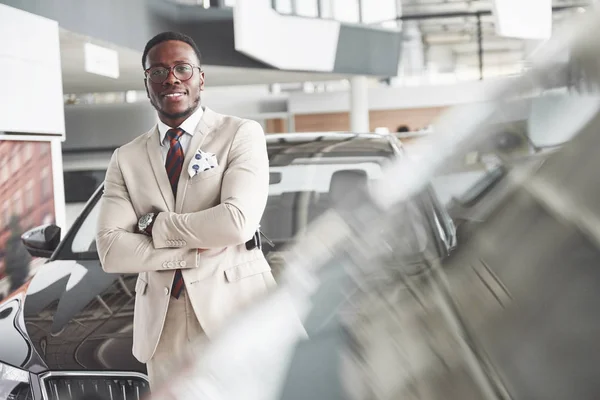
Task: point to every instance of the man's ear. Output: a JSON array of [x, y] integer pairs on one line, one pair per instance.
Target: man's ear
[[202, 80], [146, 86]]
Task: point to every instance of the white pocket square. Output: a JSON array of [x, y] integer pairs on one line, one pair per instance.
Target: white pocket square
[[201, 162]]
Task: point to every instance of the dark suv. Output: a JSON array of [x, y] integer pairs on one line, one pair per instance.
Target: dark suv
[[67, 333]]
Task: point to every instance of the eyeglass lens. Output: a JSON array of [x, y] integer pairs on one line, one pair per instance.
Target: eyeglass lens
[[182, 72]]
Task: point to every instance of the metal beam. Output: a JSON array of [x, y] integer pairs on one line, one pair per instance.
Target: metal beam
[[480, 46], [458, 14]]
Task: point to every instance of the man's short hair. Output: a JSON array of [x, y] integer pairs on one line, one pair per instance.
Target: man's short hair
[[166, 36]]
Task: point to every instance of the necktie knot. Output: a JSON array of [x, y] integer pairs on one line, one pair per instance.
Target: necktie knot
[[175, 134]]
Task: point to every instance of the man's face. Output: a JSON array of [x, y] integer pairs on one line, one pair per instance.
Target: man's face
[[174, 99]]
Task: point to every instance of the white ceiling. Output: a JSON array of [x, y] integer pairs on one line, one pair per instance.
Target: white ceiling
[[450, 43], [76, 80], [442, 44]]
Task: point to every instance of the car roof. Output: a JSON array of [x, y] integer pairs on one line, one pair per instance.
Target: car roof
[[309, 136], [288, 148]]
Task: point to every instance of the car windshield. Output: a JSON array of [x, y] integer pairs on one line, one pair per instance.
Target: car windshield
[[311, 174]]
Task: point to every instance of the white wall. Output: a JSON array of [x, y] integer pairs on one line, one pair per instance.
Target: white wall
[[31, 98]]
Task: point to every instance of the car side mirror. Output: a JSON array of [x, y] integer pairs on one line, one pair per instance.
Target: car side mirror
[[42, 241]]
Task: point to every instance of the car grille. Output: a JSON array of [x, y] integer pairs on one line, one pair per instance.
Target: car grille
[[94, 386]]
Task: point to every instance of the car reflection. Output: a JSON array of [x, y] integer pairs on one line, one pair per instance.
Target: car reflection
[[74, 309], [13, 340]]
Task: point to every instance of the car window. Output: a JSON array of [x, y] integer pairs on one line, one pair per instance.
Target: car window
[[315, 174], [84, 239], [80, 185]]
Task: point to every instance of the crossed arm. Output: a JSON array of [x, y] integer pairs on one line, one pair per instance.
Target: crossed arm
[[244, 192]]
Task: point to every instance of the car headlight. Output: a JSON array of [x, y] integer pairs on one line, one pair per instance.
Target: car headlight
[[14, 383]]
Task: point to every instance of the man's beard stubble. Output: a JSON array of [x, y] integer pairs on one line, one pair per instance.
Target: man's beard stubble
[[178, 115]]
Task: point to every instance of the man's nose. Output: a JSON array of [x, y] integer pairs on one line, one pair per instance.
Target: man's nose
[[171, 78]]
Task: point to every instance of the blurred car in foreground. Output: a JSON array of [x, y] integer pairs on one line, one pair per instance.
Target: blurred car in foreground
[[68, 333], [510, 314]]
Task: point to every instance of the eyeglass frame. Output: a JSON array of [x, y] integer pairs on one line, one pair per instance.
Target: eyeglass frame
[[172, 71]]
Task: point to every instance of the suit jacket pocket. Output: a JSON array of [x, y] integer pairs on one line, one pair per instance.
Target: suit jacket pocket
[[204, 175], [247, 269]]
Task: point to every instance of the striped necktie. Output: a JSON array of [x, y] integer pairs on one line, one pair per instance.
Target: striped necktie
[[174, 164]]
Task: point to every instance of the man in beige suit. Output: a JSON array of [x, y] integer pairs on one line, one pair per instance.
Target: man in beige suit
[[180, 204]]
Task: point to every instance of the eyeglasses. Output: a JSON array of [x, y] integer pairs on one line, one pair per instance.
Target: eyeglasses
[[183, 72]]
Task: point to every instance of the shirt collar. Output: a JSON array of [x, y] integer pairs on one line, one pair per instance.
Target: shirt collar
[[189, 126]]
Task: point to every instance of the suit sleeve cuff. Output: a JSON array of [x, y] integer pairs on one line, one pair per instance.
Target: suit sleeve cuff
[[159, 229]]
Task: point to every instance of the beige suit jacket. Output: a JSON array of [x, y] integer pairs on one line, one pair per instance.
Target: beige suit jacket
[[218, 210]]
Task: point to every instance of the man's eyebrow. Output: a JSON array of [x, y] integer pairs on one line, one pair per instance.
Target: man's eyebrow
[[159, 64]]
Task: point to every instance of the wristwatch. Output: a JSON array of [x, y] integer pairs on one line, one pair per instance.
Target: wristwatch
[[145, 223]]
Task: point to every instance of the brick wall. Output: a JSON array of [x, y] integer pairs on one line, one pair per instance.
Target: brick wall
[[26, 187]]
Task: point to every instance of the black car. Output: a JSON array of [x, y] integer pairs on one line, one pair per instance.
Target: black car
[[67, 333]]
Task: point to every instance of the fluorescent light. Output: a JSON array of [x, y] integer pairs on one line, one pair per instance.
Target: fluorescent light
[[101, 61]]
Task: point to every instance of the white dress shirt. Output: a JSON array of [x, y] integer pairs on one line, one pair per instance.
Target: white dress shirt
[[189, 126]]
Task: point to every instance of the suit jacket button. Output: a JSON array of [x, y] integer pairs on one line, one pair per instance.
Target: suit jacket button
[[167, 291], [183, 263], [170, 264]]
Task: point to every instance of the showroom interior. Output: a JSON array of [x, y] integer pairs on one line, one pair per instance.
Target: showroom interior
[[389, 70]]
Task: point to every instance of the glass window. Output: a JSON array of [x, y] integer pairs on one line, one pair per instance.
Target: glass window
[[17, 203], [346, 10], [378, 11], [48, 219], [304, 186], [326, 9], [16, 160], [81, 185], [307, 8], [29, 195], [6, 213], [283, 6], [28, 152], [85, 238], [46, 182], [44, 147], [4, 173]]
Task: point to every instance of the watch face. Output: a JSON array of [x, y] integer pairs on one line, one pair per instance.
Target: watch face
[[145, 221]]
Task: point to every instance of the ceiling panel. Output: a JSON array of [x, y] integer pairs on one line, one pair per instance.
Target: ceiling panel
[[76, 80]]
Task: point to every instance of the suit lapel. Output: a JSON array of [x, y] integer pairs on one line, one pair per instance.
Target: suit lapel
[[158, 167], [201, 136]]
